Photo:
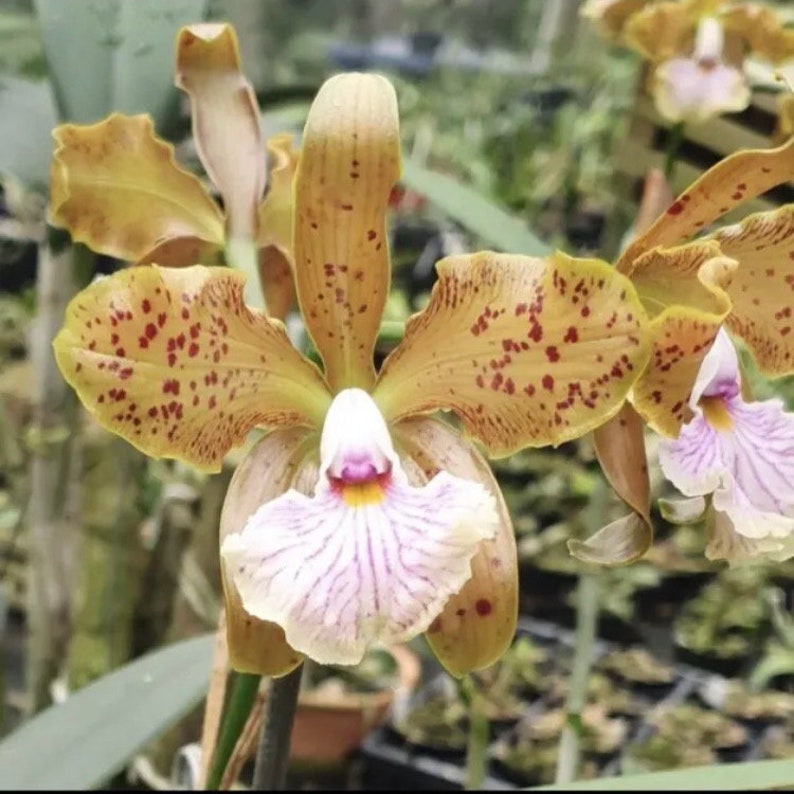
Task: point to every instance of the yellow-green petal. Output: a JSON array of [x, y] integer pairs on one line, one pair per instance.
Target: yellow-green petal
[[281, 460], [527, 352], [225, 118], [762, 287], [349, 162], [477, 624], [173, 361], [115, 187]]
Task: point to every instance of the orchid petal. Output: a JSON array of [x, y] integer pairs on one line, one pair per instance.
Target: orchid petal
[[683, 290], [526, 351], [358, 563], [283, 459], [762, 29], [720, 368], [659, 31], [687, 90], [116, 188], [762, 288], [349, 162], [225, 120], [732, 181], [611, 15], [725, 542], [174, 362], [620, 447], [747, 465], [477, 624], [276, 262]]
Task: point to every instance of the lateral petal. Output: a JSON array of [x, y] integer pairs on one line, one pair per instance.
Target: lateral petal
[[683, 289], [349, 163], [762, 287], [477, 623], [526, 351], [732, 181], [280, 461], [225, 118], [173, 361], [116, 188]]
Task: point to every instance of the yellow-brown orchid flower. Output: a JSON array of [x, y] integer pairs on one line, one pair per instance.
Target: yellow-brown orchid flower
[[697, 50], [116, 187], [610, 16], [359, 518], [740, 277]]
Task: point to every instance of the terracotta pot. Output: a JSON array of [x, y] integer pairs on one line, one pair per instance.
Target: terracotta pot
[[328, 728]]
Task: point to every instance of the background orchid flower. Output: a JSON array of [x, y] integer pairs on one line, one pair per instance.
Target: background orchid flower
[[357, 518], [117, 188], [740, 452], [697, 50], [741, 276]]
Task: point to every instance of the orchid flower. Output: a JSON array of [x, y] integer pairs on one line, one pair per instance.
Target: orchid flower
[[740, 276], [610, 16], [357, 518], [740, 452], [697, 50], [116, 187]]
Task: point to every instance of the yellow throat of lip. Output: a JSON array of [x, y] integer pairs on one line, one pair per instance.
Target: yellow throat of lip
[[716, 412], [363, 493]]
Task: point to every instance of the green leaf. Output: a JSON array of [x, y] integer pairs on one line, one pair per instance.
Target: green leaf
[[27, 116], [755, 775], [481, 216], [114, 55], [241, 701], [82, 742]]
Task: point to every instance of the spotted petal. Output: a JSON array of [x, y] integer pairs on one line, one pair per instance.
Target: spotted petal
[[477, 623], [748, 465], [349, 163], [340, 574], [225, 118], [174, 362], [283, 459], [762, 287], [526, 351], [729, 183], [683, 290], [116, 188]]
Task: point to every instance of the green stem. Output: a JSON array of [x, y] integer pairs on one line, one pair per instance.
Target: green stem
[[272, 755], [241, 254], [674, 140], [584, 641], [479, 732], [587, 607], [241, 701]]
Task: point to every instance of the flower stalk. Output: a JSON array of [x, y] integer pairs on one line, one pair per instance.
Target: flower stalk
[[272, 755]]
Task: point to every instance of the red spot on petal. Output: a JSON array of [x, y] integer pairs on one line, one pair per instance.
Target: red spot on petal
[[483, 607]]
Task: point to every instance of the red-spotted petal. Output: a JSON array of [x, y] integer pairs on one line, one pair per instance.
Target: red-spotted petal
[[173, 361]]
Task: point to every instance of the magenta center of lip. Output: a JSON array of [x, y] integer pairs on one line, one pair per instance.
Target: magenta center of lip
[[358, 467], [727, 389]]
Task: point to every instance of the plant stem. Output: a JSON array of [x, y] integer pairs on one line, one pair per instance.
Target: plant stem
[[241, 701], [241, 254], [674, 140], [584, 640], [272, 755], [477, 743]]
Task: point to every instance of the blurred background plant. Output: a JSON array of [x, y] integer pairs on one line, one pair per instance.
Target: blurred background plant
[[526, 116]]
